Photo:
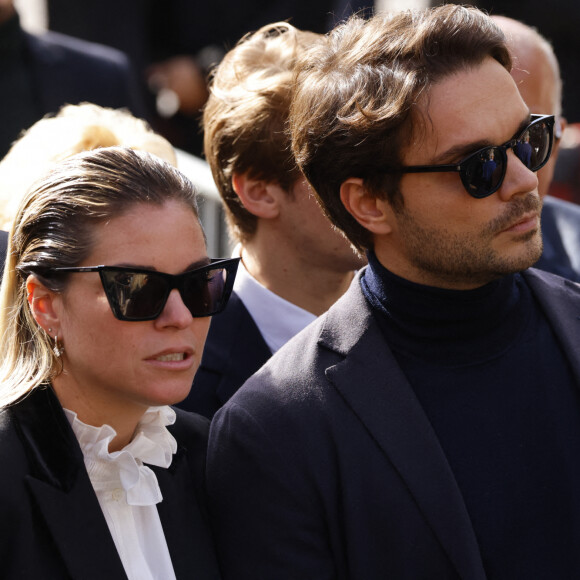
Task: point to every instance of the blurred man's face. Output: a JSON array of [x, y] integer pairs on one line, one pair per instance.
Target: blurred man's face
[[6, 9], [536, 80]]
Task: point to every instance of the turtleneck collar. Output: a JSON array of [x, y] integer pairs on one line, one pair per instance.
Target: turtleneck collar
[[446, 326]]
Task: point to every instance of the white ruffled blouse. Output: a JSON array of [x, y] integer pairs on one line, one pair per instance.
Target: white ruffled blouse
[[128, 490]]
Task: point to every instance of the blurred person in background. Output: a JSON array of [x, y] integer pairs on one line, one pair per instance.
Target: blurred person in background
[[175, 43], [73, 129], [537, 75], [42, 72]]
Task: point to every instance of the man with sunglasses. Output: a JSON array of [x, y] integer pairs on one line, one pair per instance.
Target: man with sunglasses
[[428, 425]]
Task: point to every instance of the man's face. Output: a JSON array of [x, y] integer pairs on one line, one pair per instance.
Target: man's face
[[442, 236]]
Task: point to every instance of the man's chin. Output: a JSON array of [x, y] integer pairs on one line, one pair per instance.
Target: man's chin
[[532, 252]]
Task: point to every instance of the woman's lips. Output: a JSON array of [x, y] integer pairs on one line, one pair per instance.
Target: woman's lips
[[174, 358]]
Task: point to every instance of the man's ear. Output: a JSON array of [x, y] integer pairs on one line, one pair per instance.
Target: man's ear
[[43, 305], [370, 212], [258, 196]]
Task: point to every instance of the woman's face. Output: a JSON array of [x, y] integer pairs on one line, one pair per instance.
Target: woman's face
[[113, 368]]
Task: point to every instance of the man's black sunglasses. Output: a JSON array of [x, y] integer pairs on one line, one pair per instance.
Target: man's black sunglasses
[[483, 172], [136, 294]]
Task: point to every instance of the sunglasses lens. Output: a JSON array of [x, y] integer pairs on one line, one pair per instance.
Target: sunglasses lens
[[134, 296], [534, 145], [204, 292], [143, 295], [483, 172]]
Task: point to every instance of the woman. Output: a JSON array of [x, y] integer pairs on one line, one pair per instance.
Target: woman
[[105, 307]]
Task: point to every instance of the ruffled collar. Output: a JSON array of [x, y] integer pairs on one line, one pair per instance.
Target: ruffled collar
[[152, 444]]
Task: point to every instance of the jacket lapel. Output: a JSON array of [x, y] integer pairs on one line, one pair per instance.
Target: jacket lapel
[[186, 531], [560, 300], [391, 413], [235, 349], [62, 489]]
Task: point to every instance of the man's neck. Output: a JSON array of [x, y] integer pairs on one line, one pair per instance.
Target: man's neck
[[298, 281]]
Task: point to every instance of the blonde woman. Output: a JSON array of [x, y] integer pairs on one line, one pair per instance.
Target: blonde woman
[[103, 319]]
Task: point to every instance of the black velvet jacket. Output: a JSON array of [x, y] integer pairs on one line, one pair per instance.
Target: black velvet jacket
[[51, 524]]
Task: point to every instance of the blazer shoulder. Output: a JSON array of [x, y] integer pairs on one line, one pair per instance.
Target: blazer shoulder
[[227, 327], [543, 282], [54, 45], [13, 457], [298, 369], [71, 70], [189, 426]]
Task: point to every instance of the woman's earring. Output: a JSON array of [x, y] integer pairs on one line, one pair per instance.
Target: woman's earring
[[57, 349]]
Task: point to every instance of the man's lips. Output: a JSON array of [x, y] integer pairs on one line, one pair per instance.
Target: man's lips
[[525, 223], [518, 211]]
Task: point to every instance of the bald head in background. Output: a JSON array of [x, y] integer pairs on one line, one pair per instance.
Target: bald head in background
[[537, 74]]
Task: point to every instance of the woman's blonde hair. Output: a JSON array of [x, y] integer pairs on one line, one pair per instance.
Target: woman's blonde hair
[[74, 129], [54, 227]]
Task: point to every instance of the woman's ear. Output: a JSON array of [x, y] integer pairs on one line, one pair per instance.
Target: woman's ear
[[258, 196], [369, 211], [43, 304]]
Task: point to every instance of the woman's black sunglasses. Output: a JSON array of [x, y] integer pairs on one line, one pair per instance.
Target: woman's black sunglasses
[[136, 294], [483, 172]]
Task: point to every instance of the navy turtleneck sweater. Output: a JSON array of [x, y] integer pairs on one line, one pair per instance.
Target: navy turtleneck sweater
[[498, 390]]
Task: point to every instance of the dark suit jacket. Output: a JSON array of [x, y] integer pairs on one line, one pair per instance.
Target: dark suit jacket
[[561, 234], [70, 70], [51, 524], [234, 350], [67, 70], [329, 461]]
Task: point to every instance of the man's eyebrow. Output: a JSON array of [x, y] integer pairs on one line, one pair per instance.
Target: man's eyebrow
[[462, 150], [458, 152]]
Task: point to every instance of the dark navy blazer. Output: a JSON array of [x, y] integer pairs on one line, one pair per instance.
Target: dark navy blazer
[[234, 351], [51, 524], [561, 234], [70, 70], [66, 70], [325, 466]]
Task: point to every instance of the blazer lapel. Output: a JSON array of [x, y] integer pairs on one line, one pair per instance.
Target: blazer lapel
[[62, 489], [235, 348], [391, 413], [560, 299], [186, 530]]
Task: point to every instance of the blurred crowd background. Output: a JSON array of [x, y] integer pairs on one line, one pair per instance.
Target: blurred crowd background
[[173, 44]]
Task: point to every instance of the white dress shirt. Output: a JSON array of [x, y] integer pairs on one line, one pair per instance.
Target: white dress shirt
[[128, 491]]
